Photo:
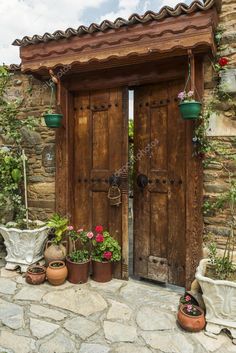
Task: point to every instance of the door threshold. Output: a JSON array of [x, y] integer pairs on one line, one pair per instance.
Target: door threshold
[[150, 282]]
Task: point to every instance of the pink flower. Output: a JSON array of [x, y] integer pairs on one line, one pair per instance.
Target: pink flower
[[90, 235], [80, 230], [189, 307], [107, 255], [187, 298], [99, 229], [70, 228], [99, 238], [181, 95], [190, 94]]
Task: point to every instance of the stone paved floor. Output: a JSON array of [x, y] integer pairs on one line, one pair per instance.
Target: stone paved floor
[[116, 317]]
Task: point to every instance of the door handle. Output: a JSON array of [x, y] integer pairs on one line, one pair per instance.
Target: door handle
[[142, 180], [114, 180]]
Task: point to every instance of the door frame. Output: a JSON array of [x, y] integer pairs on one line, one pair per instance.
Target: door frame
[[194, 170]]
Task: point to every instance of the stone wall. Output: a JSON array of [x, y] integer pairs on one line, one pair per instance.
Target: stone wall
[[39, 144], [222, 131]]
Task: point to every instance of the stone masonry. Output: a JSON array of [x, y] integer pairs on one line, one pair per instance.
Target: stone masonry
[[39, 144], [222, 131]]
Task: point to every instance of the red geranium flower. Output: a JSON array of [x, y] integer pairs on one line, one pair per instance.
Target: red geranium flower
[[107, 255], [99, 229], [99, 238], [223, 61]]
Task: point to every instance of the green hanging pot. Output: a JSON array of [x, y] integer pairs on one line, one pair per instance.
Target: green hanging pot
[[53, 120], [190, 110]]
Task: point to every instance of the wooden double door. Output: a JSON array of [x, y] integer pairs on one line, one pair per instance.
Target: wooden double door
[[101, 151]]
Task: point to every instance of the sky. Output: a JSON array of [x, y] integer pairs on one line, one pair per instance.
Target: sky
[[28, 17]]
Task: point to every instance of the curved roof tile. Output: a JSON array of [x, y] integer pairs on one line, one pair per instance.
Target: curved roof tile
[[164, 12]]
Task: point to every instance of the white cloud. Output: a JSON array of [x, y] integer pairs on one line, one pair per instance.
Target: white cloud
[[125, 9], [28, 17]]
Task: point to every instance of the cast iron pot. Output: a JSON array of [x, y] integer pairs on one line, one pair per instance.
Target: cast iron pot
[[77, 272], [102, 271]]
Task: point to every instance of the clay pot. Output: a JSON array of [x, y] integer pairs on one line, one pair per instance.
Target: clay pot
[[56, 273], [35, 274], [102, 271], [77, 272], [191, 323], [54, 252]]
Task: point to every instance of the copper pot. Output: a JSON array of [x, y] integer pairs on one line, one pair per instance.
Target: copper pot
[[56, 272], [189, 322], [102, 271], [35, 274], [77, 272]]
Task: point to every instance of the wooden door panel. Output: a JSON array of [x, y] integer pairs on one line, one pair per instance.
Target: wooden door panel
[[159, 209], [159, 224], [100, 151]]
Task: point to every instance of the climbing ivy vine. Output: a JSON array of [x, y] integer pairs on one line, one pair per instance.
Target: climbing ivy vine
[[11, 126], [212, 151]]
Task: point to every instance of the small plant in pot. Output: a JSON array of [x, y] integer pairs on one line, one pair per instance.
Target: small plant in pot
[[35, 274], [217, 274], [56, 273], [106, 250], [190, 109], [191, 317], [78, 261], [56, 247], [51, 117]]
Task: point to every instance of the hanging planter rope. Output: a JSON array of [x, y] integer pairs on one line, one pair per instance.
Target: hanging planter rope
[[53, 120], [190, 109]]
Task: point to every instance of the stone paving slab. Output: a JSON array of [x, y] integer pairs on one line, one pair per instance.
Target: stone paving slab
[[114, 317]]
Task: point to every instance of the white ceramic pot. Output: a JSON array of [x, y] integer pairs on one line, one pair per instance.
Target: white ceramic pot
[[220, 299], [228, 80], [24, 247]]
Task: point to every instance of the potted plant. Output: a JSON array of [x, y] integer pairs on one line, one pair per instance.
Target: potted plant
[[35, 274], [217, 274], [51, 117], [78, 261], [55, 250], [106, 250], [190, 109], [191, 318], [56, 272]]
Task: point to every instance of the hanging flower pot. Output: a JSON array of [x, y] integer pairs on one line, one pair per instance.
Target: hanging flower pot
[[53, 120], [190, 110]]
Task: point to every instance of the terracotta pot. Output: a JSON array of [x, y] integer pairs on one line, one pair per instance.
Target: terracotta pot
[[77, 272], [54, 252], [35, 274], [56, 275], [191, 323], [102, 271]]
